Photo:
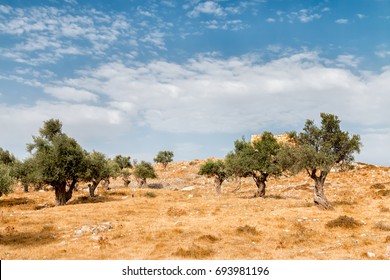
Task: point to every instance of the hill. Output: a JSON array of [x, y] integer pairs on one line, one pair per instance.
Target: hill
[[186, 219]]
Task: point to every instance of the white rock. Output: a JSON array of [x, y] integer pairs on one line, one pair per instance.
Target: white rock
[[371, 254], [188, 188], [387, 253]]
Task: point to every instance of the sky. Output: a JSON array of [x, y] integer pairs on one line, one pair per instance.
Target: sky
[[137, 77]]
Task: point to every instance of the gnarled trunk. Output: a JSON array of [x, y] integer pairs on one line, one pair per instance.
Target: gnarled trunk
[[260, 183], [92, 187], [126, 181], [63, 195], [218, 184], [319, 195], [60, 192]]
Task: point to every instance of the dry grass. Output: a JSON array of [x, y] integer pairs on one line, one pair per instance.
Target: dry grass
[[186, 219], [344, 222]]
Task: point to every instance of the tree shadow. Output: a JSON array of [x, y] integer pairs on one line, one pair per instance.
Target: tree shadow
[[16, 202], [86, 199], [24, 239]]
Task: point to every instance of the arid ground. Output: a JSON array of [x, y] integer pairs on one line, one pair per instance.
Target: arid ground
[[186, 219]]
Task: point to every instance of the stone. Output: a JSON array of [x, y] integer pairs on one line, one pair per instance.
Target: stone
[[387, 253], [371, 255]]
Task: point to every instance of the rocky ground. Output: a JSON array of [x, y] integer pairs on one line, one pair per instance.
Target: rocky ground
[[182, 217]]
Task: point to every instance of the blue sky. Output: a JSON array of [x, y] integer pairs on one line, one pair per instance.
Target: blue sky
[[136, 77]]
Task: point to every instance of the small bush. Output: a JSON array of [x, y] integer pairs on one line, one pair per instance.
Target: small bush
[[155, 186], [150, 194], [384, 209], [194, 252], [175, 212], [382, 226], [247, 230], [378, 186], [344, 222], [209, 238], [384, 192]]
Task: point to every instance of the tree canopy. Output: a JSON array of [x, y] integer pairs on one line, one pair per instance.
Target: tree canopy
[[164, 157]]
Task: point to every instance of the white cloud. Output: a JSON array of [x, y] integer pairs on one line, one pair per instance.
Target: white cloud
[[232, 25], [208, 7], [71, 94], [361, 16], [73, 2], [5, 9], [155, 38], [303, 15], [348, 60], [208, 94], [87, 124], [306, 16], [47, 34], [342, 21], [383, 52]]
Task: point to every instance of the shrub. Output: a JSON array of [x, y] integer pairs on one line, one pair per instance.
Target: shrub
[[344, 222], [150, 194]]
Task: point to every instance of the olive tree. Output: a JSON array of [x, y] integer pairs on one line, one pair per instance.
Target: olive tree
[[59, 159], [216, 169], [98, 168], [164, 157], [27, 172], [257, 160], [143, 171], [6, 180], [124, 164], [318, 149]]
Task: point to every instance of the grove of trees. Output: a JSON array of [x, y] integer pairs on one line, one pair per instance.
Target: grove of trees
[[315, 150], [58, 160]]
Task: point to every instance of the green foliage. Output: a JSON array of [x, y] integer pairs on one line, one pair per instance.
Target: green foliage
[[212, 168], [215, 169], [150, 194], [97, 167], [320, 148], [51, 128], [60, 160], [6, 180], [249, 159], [164, 157], [143, 171], [123, 162], [6, 157], [28, 172]]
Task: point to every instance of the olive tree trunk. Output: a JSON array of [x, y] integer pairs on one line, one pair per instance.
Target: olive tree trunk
[[218, 184], [319, 195], [92, 187], [260, 183], [63, 195]]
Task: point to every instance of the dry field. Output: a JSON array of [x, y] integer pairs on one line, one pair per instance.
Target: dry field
[[188, 220]]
